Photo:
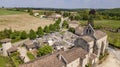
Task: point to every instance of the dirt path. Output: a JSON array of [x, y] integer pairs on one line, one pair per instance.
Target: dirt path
[[23, 53], [111, 61]]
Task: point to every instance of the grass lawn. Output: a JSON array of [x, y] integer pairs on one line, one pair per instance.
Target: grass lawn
[[113, 24], [113, 38], [31, 56], [15, 58], [9, 12], [5, 62]]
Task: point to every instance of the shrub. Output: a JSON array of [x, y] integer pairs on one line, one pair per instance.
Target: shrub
[[31, 56], [45, 50]]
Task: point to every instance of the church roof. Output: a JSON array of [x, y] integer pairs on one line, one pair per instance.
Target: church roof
[[87, 38], [99, 34], [74, 54]]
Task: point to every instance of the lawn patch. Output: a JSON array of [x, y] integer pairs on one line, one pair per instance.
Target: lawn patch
[[30, 55]]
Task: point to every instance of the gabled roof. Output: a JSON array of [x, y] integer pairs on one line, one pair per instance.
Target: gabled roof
[[5, 40], [87, 38], [30, 44], [89, 26], [99, 34], [54, 61], [74, 54], [12, 49]]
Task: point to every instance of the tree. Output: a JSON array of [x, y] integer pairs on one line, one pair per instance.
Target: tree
[[32, 34], [46, 29], [7, 32], [57, 26], [52, 27], [66, 14], [72, 30], [40, 32], [71, 17], [65, 24], [58, 21], [23, 35], [13, 36], [30, 11], [44, 50]]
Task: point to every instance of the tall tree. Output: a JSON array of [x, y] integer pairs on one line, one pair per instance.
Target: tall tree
[[32, 34], [52, 27], [91, 17], [44, 50], [23, 35], [65, 24], [7, 32], [46, 29], [40, 32]]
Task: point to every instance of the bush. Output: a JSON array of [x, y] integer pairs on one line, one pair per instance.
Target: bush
[[23, 35], [45, 50], [72, 30], [40, 32], [65, 24], [46, 29], [31, 56], [32, 34]]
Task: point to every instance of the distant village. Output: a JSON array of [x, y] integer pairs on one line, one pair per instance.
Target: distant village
[[64, 48]]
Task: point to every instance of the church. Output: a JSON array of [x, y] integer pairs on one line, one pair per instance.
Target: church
[[88, 47]]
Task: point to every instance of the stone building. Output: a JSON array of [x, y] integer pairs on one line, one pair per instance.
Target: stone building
[[6, 44], [88, 44], [30, 45], [55, 16], [75, 57], [94, 41]]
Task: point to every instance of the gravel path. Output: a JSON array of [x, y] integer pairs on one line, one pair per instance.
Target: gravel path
[[23, 52], [112, 60]]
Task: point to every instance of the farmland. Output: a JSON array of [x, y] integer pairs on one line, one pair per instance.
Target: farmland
[[9, 12], [22, 22]]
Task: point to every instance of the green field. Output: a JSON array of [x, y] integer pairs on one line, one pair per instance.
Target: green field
[[113, 38], [109, 24], [5, 62], [9, 12]]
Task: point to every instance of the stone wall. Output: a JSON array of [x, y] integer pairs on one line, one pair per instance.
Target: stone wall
[[102, 45], [75, 63], [5, 47]]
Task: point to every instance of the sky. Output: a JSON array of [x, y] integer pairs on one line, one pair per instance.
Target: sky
[[61, 3]]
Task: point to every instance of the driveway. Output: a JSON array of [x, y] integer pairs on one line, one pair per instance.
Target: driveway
[[23, 52]]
